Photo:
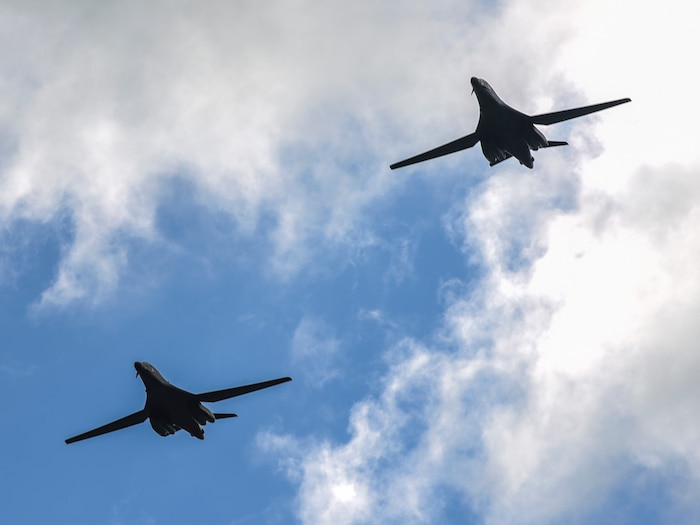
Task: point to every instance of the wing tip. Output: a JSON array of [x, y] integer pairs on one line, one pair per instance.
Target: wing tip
[[218, 415], [74, 439]]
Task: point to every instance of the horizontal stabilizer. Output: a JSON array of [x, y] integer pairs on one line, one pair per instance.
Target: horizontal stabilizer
[[127, 421], [451, 147], [226, 393], [224, 416], [559, 116], [553, 143]]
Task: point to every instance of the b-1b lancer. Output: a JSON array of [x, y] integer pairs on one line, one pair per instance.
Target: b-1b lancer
[[505, 132], [170, 408]]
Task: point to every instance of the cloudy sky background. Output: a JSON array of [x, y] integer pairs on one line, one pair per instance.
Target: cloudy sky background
[[205, 185]]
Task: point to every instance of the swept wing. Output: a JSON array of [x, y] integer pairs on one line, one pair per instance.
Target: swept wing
[[218, 415], [218, 395], [559, 116], [451, 147], [127, 421]]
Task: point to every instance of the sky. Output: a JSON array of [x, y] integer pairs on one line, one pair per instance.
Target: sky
[[205, 186]]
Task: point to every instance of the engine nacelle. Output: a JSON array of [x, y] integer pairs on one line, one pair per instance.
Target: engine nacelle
[[535, 139], [202, 414], [163, 427], [493, 153]]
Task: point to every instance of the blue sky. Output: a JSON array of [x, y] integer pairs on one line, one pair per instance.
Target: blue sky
[[205, 186]]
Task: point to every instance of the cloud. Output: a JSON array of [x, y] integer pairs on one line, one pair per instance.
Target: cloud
[[316, 349], [568, 376], [358, 482], [575, 375], [567, 371], [403, 254], [281, 117]]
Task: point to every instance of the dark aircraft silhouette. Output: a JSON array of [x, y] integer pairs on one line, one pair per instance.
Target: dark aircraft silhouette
[[505, 132], [170, 408]]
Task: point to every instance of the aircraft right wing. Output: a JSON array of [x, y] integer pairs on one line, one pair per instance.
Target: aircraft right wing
[[127, 421], [559, 116], [451, 147], [218, 395]]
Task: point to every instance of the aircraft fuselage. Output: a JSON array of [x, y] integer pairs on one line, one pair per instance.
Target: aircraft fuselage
[[502, 130], [171, 408], [506, 132]]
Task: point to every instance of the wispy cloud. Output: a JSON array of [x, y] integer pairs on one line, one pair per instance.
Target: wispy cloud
[[315, 348]]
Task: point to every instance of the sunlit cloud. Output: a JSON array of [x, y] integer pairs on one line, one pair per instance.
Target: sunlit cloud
[[279, 120], [560, 376], [567, 375]]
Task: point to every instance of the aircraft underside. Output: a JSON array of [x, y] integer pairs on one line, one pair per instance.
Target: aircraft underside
[[168, 428], [169, 409], [191, 421], [495, 154], [162, 427], [498, 149], [505, 132]]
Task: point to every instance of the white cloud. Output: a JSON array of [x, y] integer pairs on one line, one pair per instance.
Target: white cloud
[[316, 349], [287, 111], [577, 357], [403, 253], [577, 370], [374, 477], [577, 362]]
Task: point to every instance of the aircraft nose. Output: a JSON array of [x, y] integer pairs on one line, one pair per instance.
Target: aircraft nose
[[474, 81]]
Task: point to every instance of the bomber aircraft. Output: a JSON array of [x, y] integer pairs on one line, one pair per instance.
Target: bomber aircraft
[[505, 132], [170, 408]]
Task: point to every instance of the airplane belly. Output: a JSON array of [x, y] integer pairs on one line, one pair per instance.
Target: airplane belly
[[172, 410], [163, 427], [202, 414], [187, 421], [193, 428], [167, 427], [535, 139], [493, 153], [521, 151]]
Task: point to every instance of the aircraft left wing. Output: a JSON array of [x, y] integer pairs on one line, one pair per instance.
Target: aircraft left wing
[[127, 421], [559, 116], [451, 147], [218, 395]]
